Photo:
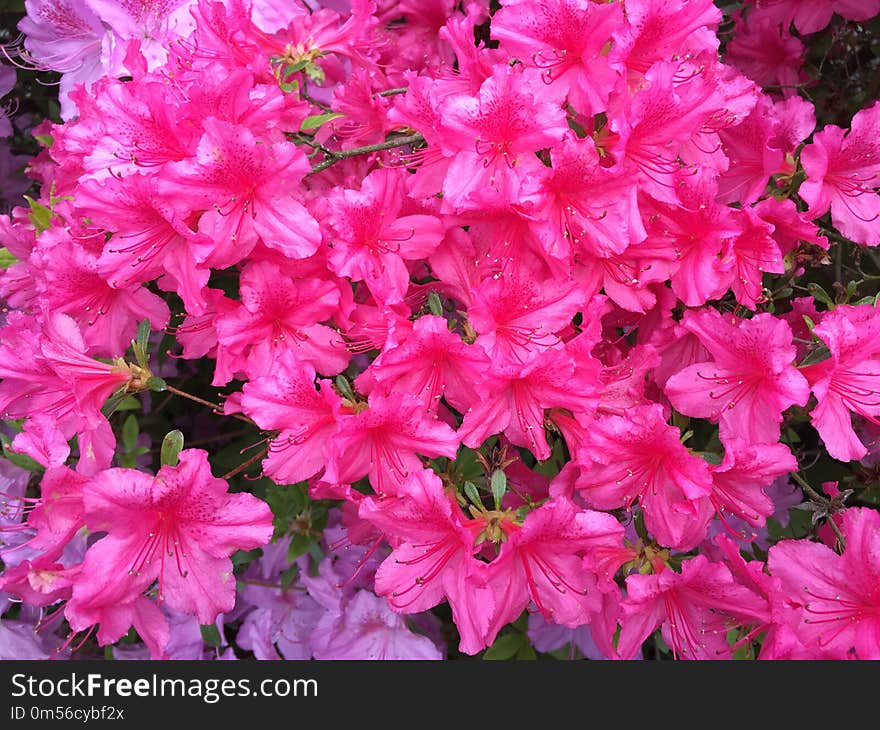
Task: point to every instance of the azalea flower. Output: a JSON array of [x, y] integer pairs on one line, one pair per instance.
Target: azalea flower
[[830, 601], [179, 528], [843, 172], [749, 381]]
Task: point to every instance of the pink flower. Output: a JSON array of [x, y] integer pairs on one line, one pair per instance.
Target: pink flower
[[278, 313], [516, 315], [48, 372], [431, 363], [372, 241], [843, 172], [658, 29], [151, 237], [365, 112], [588, 208], [752, 155], [626, 277], [179, 527], [136, 126], [831, 601], [695, 609], [849, 380], [738, 483], [515, 397], [790, 226], [750, 380], [41, 439], [58, 514], [753, 252], [245, 187], [324, 31], [115, 619], [39, 582], [432, 557], [810, 16], [72, 283], [568, 40], [695, 230], [640, 457], [655, 121], [495, 133], [287, 399], [383, 441], [767, 53], [541, 561]]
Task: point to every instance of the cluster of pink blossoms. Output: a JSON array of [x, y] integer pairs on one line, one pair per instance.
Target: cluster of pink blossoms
[[503, 284]]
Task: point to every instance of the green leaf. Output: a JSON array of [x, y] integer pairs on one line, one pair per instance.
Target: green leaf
[[818, 354], [143, 336], [44, 139], [292, 68], [113, 403], [344, 388], [299, 545], [505, 647], [40, 215], [315, 73], [316, 121], [23, 461], [434, 304], [288, 576], [127, 403], [819, 293], [316, 552], [872, 300], [473, 495], [211, 635], [710, 457], [499, 486], [851, 289], [172, 445], [244, 557], [526, 652], [130, 432], [6, 259], [157, 385]]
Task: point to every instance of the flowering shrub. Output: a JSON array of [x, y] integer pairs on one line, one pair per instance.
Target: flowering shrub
[[381, 329]]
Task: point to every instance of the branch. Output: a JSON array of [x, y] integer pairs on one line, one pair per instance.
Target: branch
[[336, 156], [825, 506], [215, 407], [811, 493], [241, 467]]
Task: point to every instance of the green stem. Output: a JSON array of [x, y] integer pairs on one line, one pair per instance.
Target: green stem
[[336, 156]]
